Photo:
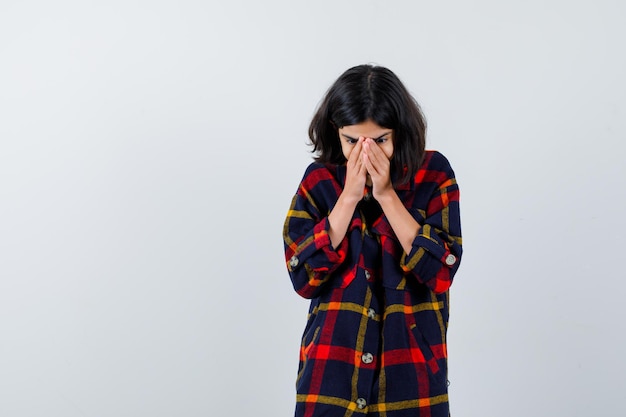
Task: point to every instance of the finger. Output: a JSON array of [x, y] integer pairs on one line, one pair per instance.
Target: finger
[[363, 152], [363, 170], [358, 163], [378, 157], [376, 154], [373, 160], [369, 166], [354, 158], [358, 148]]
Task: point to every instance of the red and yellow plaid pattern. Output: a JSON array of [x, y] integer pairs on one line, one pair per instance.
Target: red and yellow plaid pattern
[[375, 339]]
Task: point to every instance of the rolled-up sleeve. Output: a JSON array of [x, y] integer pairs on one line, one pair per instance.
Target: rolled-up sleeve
[[309, 255], [436, 250]]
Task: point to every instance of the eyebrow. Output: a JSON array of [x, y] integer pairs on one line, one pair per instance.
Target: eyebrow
[[380, 137]]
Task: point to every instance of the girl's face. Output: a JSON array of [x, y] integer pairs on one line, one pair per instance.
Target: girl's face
[[349, 135]]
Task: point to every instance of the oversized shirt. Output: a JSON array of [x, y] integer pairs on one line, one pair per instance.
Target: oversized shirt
[[375, 339]]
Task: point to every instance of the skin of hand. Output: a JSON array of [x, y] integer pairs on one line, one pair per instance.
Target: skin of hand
[[356, 176], [377, 165], [356, 172]]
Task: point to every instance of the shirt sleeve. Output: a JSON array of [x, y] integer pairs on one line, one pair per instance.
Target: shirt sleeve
[[310, 257], [436, 250]]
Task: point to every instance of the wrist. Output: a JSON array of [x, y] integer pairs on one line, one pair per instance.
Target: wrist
[[384, 196], [349, 199]]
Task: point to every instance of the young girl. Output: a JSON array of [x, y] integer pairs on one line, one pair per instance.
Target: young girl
[[373, 238]]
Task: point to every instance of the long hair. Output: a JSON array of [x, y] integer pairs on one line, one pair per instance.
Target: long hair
[[368, 92]]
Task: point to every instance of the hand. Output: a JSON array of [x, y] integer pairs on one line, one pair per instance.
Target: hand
[[377, 165], [356, 173], [356, 176]]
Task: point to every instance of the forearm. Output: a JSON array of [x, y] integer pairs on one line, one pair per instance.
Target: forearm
[[339, 218], [402, 222]]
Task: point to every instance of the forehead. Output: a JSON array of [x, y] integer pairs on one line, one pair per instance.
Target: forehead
[[368, 129]]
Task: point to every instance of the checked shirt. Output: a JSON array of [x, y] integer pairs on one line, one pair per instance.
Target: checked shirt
[[375, 339]]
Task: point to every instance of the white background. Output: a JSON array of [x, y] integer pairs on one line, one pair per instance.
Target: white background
[[149, 151]]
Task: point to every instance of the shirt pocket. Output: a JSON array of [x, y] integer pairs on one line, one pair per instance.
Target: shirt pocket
[[305, 368], [311, 331], [423, 345], [309, 342]]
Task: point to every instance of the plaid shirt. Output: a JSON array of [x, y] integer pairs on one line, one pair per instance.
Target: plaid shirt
[[375, 339]]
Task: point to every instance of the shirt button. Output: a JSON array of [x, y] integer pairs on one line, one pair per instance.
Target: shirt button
[[371, 313], [367, 275], [450, 260], [367, 358], [361, 403], [294, 261]]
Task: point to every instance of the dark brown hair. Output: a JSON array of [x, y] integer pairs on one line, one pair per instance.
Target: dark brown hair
[[368, 92]]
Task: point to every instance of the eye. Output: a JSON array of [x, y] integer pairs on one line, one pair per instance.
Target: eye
[[381, 140], [351, 141]]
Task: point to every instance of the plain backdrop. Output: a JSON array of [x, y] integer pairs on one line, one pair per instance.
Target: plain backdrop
[[149, 151]]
